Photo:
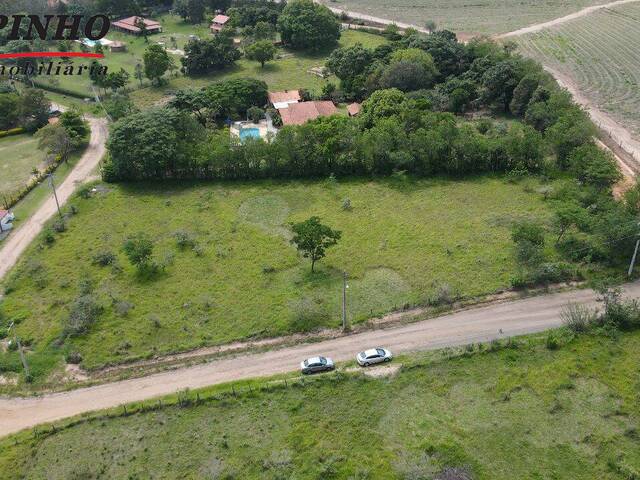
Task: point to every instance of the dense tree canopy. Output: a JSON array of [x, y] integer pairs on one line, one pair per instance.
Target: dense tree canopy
[[204, 56], [304, 24]]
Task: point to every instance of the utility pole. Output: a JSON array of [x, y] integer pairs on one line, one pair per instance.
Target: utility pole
[[55, 195], [344, 301], [633, 259]]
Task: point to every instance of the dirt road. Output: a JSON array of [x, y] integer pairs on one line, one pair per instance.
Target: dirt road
[[476, 325], [19, 240], [572, 16]]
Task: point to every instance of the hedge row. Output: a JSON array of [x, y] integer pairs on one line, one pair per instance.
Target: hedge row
[[60, 90], [10, 132], [14, 198]]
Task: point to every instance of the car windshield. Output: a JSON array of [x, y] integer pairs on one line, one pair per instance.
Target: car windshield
[[322, 360], [380, 352]]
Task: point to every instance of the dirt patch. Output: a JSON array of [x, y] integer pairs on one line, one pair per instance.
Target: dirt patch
[[75, 373], [8, 380]]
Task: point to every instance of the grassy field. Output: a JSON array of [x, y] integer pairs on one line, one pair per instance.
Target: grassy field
[[402, 241], [598, 52], [19, 155], [523, 412], [487, 16], [289, 71]]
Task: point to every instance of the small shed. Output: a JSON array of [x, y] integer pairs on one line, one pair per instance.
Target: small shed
[[118, 47]]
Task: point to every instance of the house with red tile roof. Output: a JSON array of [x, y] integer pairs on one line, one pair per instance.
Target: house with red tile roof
[[219, 22], [285, 98], [130, 25], [301, 113]]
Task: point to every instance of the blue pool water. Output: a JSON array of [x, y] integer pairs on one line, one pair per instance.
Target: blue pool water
[[249, 133]]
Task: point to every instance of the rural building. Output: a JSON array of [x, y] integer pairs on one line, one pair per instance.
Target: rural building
[[300, 113], [6, 219], [118, 47], [354, 109], [218, 23], [284, 99], [130, 25]]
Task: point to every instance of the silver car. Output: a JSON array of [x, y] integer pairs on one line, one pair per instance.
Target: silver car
[[317, 364], [373, 355]]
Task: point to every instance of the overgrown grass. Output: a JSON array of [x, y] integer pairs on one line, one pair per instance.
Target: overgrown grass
[[402, 242], [521, 411], [19, 155]]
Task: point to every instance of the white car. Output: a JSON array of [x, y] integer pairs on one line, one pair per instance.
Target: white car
[[373, 355], [317, 364]]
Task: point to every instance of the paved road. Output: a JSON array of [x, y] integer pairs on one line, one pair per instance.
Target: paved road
[[476, 325], [23, 235]]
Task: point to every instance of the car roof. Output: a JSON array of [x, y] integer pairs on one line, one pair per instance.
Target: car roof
[[315, 360], [371, 352]]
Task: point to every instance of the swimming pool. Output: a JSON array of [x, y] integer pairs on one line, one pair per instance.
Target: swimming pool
[[249, 133]]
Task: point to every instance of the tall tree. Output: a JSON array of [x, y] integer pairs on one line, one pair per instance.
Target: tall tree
[[156, 63], [307, 25], [261, 51], [312, 239]]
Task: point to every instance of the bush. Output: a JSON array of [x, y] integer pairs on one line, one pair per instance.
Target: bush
[[577, 318], [59, 226], [443, 295], [308, 314], [552, 342], [84, 313], [73, 358], [184, 239], [104, 258]]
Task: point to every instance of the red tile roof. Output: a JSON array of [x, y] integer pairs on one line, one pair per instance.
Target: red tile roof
[[300, 113], [354, 109], [220, 19], [283, 97], [130, 24]]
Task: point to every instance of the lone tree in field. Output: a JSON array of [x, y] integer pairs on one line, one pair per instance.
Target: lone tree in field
[[138, 250], [312, 239], [261, 51], [156, 63]]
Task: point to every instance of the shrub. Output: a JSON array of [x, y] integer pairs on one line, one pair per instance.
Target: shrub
[[308, 314], [443, 295], [73, 358], [59, 226], [104, 258], [48, 237], [577, 318], [84, 313], [184, 239], [123, 308], [552, 341]]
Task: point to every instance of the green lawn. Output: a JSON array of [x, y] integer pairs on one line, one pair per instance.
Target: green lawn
[[19, 155], [516, 413], [401, 242]]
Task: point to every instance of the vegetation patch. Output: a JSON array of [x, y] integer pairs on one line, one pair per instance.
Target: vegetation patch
[[399, 246], [457, 414]]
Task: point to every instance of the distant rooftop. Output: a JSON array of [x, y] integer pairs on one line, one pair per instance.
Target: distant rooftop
[[131, 24]]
